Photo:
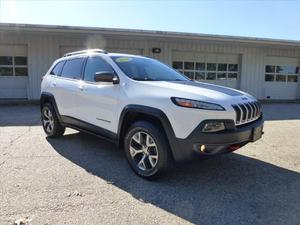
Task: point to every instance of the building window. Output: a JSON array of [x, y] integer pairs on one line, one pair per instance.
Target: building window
[[207, 71], [281, 73], [13, 66]]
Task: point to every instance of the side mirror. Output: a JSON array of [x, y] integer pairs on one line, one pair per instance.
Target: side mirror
[[106, 76]]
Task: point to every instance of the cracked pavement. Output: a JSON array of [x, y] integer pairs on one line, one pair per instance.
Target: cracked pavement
[[81, 179]]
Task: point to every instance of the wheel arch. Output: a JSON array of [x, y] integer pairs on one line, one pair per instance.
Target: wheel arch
[[132, 113], [48, 97]]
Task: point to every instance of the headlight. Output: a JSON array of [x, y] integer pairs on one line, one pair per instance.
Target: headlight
[[188, 103], [213, 126]]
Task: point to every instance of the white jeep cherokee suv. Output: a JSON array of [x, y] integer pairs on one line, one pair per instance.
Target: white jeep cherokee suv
[[155, 113]]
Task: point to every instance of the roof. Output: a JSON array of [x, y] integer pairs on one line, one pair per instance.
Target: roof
[[146, 33]]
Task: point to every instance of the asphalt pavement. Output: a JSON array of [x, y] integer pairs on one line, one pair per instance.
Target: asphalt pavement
[[81, 179]]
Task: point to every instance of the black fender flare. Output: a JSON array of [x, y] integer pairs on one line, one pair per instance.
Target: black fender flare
[[48, 97], [153, 112]]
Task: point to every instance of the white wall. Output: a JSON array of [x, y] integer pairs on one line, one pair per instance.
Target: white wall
[[44, 48]]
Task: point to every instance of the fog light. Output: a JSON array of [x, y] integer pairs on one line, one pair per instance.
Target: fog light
[[202, 148], [213, 126]]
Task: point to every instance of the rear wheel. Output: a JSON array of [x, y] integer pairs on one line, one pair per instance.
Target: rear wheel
[[51, 124], [147, 150]]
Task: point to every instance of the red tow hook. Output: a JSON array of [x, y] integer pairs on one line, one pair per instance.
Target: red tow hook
[[234, 147]]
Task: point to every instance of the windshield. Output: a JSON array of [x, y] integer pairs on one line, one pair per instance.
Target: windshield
[[146, 69]]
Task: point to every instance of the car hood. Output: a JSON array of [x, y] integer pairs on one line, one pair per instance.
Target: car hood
[[196, 90]]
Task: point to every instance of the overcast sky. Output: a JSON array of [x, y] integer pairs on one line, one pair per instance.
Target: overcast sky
[[271, 19]]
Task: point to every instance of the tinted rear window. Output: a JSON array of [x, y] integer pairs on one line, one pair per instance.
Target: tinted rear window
[[72, 68], [57, 69]]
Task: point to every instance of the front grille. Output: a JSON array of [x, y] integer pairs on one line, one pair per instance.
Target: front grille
[[247, 112]]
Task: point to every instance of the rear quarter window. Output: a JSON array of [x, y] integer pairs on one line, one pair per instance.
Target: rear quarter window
[[57, 68]]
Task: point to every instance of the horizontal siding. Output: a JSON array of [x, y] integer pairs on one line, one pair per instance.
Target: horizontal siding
[[13, 87], [252, 61], [44, 48]]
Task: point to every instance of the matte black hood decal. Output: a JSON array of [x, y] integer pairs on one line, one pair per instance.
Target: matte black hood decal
[[221, 89]]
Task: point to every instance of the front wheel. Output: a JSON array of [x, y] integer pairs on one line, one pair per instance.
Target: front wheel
[[147, 150]]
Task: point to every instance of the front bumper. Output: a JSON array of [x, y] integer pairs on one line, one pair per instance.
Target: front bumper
[[227, 140]]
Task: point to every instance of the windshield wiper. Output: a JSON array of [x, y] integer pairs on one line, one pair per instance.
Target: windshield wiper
[[142, 79]]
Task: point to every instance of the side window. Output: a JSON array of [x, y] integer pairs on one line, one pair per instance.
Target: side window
[[93, 65], [57, 68], [72, 68]]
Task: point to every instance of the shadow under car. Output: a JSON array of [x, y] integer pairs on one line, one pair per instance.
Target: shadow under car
[[229, 189]]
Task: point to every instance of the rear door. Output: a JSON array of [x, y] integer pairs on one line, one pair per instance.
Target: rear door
[[67, 87], [54, 80]]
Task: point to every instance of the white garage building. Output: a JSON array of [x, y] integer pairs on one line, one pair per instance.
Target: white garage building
[[266, 68]]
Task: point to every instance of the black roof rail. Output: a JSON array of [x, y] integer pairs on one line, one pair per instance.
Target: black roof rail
[[86, 51]]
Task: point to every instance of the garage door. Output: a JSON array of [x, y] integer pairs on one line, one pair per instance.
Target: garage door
[[281, 78], [63, 49], [220, 69], [13, 71], [133, 51]]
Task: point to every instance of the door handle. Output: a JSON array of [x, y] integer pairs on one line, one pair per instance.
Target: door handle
[[54, 84], [81, 87]]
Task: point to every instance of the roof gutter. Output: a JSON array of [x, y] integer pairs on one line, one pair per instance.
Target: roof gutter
[[145, 33]]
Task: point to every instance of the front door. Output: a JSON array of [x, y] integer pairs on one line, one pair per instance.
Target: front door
[[98, 100]]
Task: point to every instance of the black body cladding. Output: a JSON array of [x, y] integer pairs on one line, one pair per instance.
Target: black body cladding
[[182, 149]]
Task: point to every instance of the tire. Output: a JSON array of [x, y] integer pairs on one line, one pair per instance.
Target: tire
[[51, 124], [148, 159]]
